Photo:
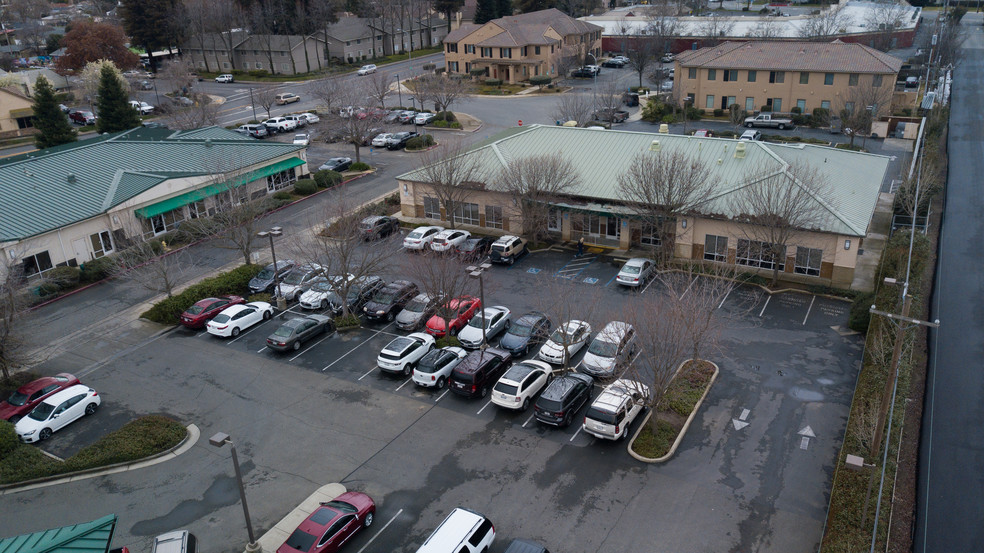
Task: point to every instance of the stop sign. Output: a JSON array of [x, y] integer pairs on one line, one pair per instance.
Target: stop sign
[[520, 122]]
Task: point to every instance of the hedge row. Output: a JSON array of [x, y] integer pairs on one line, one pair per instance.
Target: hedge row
[[420, 142], [235, 281]]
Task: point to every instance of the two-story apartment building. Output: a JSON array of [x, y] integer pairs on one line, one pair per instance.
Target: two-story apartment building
[[240, 51], [780, 76], [517, 47]]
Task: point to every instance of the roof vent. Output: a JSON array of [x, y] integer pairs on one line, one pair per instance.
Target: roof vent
[[740, 150], [654, 146], [208, 142], [664, 128], [71, 178], [720, 161]]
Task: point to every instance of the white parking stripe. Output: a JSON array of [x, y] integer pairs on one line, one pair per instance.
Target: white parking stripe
[[261, 349], [726, 297], [311, 346], [528, 421], [376, 535], [365, 375], [241, 334], [355, 348], [688, 288], [809, 309], [651, 281], [579, 428], [405, 382], [767, 300], [483, 408], [442, 395]]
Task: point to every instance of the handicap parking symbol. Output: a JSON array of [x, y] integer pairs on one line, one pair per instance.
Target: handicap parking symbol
[[590, 280], [533, 270]]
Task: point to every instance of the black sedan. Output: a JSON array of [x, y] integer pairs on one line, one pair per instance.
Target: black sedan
[[292, 333], [613, 63], [583, 73], [390, 300], [474, 249], [378, 226], [338, 164], [400, 139], [526, 333]]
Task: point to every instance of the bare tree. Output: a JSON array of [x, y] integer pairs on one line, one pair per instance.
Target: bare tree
[[451, 175], [574, 106], [358, 117], [713, 29], [378, 85], [608, 97], [777, 207], [662, 186], [32, 30], [265, 97], [864, 103], [151, 265], [766, 29], [567, 59], [442, 90], [13, 305], [824, 24], [563, 300], [442, 278], [736, 116], [203, 113], [886, 18], [330, 92], [177, 74], [642, 54], [534, 182]]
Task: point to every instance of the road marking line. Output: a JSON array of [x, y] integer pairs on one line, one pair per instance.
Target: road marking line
[[809, 309], [744, 414], [387, 333], [442, 395], [804, 443], [651, 281], [688, 288], [365, 375], [241, 334], [612, 279], [767, 300], [368, 543], [261, 349], [579, 429], [405, 382], [725, 298], [528, 421], [311, 346], [483, 408], [355, 348]]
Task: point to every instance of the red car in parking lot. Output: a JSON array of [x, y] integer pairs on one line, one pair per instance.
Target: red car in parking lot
[[331, 525], [202, 312], [28, 396], [463, 308]]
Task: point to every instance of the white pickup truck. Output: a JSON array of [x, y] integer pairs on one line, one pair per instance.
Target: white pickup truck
[[767, 120]]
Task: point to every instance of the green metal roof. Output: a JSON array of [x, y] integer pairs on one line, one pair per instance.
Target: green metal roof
[[37, 192], [600, 156], [87, 537]]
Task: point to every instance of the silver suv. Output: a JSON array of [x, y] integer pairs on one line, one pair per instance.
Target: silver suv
[[612, 412], [507, 249]]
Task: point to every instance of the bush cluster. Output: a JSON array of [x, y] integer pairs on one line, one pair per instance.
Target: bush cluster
[[97, 269], [235, 281], [447, 341], [718, 112], [445, 116], [327, 179], [305, 187], [347, 321], [282, 195], [446, 125], [420, 142], [540, 80], [493, 82], [360, 166]]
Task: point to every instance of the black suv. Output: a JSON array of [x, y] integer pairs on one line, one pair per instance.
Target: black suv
[[358, 293], [525, 333], [479, 371], [378, 226], [562, 398], [390, 300]]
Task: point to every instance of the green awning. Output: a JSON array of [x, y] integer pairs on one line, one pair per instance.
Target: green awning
[[182, 200], [87, 537]]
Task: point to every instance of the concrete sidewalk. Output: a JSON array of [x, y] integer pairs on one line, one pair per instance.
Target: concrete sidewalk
[[276, 536]]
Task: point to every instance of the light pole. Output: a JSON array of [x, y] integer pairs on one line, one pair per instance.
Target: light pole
[[477, 272], [275, 231], [252, 103], [399, 89], [219, 440]]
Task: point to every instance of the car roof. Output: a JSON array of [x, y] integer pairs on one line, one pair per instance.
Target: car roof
[[636, 261], [614, 328], [572, 325], [398, 285], [36, 385], [615, 393], [400, 344], [505, 239], [473, 360], [560, 386], [531, 317], [372, 218], [67, 393], [518, 372]]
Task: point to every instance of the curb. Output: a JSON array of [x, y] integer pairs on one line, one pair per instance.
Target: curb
[[278, 534], [683, 431], [190, 439]]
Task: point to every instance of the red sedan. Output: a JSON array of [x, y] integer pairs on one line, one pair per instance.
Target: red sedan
[[202, 312], [28, 396], [464, 309], [331, 525]]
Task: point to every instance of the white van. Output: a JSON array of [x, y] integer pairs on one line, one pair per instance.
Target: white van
[[179, 541], [463, 531]]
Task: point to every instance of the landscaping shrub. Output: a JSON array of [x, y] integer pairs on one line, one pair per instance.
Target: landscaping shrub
[[493, 82], [860, 316], [765, 109], [718, 112], [800, 119], [257, 73], [97, 269], [639, 89], [796, 110], [479, 72], [235, 281], [669, 119], [137, 439], [350, 321], [440, 70], [420, 142], [305, 187], [282, 195], [261, 297], [8, 438], [445, 116], [64, 277], [701, 112], [540, 80], [447, 341], [821, 117], [360, 166], [327, 179], [428, 66], [694, 113]]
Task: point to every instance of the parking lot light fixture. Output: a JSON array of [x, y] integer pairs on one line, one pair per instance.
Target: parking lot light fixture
[[281, 301], [219, 440], [477, 272]]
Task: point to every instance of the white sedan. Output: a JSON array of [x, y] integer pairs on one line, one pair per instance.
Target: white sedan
[[311, 117], [420, 237], [448, 240], [302, 139], [570, 337], [233, 320], [521, 383], [401, 354], [380, 140], [434, 369], [366, 69], [56, 412], [635, 272], [495, 319]]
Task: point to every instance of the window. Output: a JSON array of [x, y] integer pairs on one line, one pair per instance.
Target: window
[[37, 263], [749, 104], [486, 52], [777, 104], [102, 243], [752, 75], [729, 101], [505, 52], [852, 79], [777, 77], [804, 77], [466, 214], [225, 65], [197, 210], [711, 74], [25, 122], [469, 48], [808, 261], [825, 104], [453, 66], [709, 101], [730, 74], [245, 65], [876, 81], [259, 65], [849, 107], [281, 180], [828, 79], [453, 47], [758, 254], [801, 104], [432, 208], [284, 66], [716, 248], [536, 50], [554, 220], [692, 73], [650, 235], [467, 67], [493, 216], [159, 224]]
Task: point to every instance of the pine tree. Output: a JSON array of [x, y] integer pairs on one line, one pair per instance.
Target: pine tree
[[52, 125], [115, 113], [485, 11], [503, 8]]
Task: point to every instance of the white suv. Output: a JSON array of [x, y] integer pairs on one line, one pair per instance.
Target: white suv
[[521, 383], [612, 412], [225, 78], [464, 531], [366, 69], [434, 369], [400, 355], [280, 124]]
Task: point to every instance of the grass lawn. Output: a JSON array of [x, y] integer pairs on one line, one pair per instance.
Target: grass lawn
[[504, 89], [679, 401]]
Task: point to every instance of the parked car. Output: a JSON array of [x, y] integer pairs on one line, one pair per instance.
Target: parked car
[[402, 353], [237, 318], [143, 108], [507, 249], [421, 237], [302, 139], [82, 117], [424, 118], [331, 525], [176, 541], [182, 101], [493, 319], [146, 85], [449, 239], [562, 399], [416, 312], [312, 118], [593, 68], [525, 546], [347, 111], [667, 58], [479, 371], [379, 141], [367, 69], [611, 115], [520, 384], [202, 311], [525, 333], [292, 333], [612, 412], [751, 135], [406, 117], [225, 78], [768, 120], [338, 164], [359, 293], [583, 73], [64, 108], [297, 119], [703, 133], [28, 396], [434, 369], [285, 98], [612, 347], [622, 59], [463, 531], [462, 310], [635, 272], [56, 412], [475, 248], [254, 130], [390, 300], [264, 280], [279, 124], [570, 337], [378, 226], [300, 280], [321, 289], [400, 139], [614, 63]]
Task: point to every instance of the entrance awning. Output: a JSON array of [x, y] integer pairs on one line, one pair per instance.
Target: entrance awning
[[87, 537], [193, 196]]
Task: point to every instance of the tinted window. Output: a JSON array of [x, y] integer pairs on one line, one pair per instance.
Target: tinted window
[[550, 405], [430, 362], [480, 534], [341, 507], [507, 389], [521, 330], [416, 306], [300, 540], [462, 378], [601, 416], [386, 296], [41, 412], [602, 348], [221, 318], [284, 331], [265, 274], [17, 399], [195, 309]]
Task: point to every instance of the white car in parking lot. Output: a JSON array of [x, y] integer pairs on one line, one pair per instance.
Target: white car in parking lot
[[302, 139], [401, 354], [612, 412], [237, 318], [570, 336], [495, 319], [434, 369], [56, 412], [311, 117], [420, 237], [447, 240], [321, 289], [520, 384], [367, 69], [380, 140], [280, 124], [635, 272]]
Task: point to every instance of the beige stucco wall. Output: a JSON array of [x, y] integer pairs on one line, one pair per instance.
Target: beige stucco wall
[[11, 102]]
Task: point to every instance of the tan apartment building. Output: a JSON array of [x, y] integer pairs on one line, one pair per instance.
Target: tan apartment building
[[239, 51], [780, 76], [714, 232], [517, 47]]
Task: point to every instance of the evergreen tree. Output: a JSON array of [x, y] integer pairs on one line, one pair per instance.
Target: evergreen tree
[[115, 113], [527, 6], [503, 8], [485, 11], [52, 125]]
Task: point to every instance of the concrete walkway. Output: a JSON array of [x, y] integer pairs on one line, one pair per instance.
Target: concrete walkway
[[874, 244], [276, 536]]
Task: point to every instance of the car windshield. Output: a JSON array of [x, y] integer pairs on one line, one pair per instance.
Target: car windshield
[[559, 336], [478, 322], [631, 269], [294, 277], [602, 348], [17, 399], [300, 540], [221, 318], [196, 309], [416, 306], [41, 412], [519, 329], [429, 362], [322, 286], [265, 274], [284, 331], [386, 296], [415, 234]]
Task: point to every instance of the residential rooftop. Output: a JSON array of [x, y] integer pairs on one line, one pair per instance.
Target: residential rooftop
[[818, 57]]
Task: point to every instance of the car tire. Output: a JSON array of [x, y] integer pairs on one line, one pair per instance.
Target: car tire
[[485, 391], [44, 434], [568, 418], [749, 125], [324, 304], [235, 331], [407, 370], [367, 522], [267, 315], [526, 404], [782, 126], [390, 317], [91, 408], [297, 345], [441, 382]]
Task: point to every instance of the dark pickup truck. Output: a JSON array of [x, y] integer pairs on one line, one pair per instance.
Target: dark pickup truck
[[611, 115]]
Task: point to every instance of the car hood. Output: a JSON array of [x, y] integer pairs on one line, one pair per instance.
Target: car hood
[[373, 306], [7, 410], [511, 341], [553, 349], [470, 334], [26, 424], [408, 316], [598, 363], [257, 282], [436, 323], [313, 295]]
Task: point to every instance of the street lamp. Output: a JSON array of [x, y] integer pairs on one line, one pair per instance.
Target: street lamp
[[477, 272], [252, 103], [275, 231], [219, 440], [399, 89]]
